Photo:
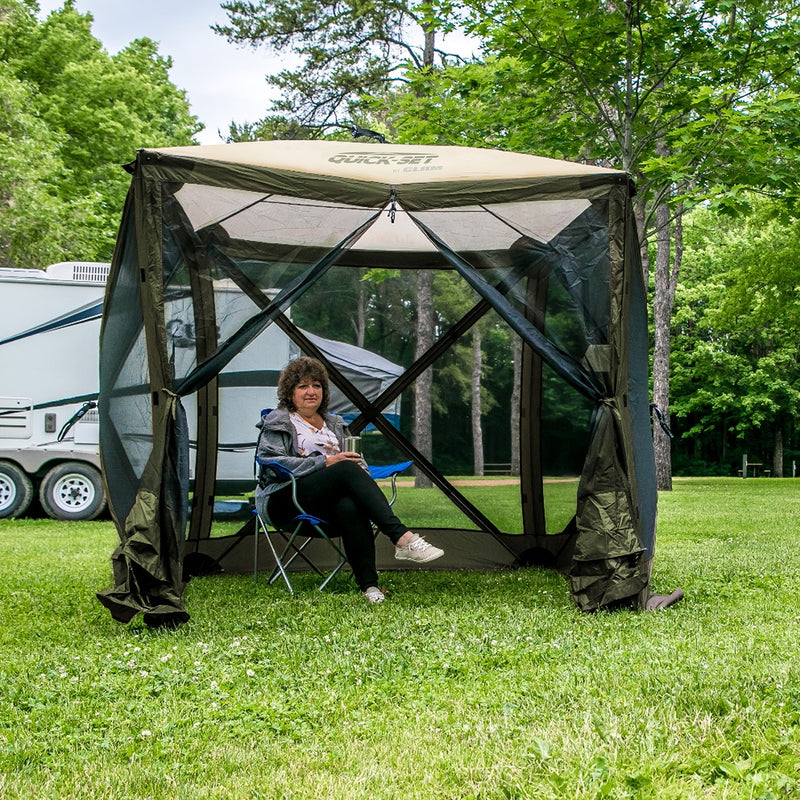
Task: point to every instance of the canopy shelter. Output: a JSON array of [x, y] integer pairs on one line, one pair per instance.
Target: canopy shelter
[[539, 255]]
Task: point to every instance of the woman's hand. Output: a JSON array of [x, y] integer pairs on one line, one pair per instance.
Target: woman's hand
[[346, 456]]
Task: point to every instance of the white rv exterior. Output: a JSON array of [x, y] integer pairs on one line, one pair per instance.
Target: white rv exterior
[[49, 353], [49, 333]]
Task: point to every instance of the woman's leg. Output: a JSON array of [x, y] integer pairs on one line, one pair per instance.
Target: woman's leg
[[347, 479], [358, 541]]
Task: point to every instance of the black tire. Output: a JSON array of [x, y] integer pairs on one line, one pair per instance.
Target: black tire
[[72, 491], [16, 490]]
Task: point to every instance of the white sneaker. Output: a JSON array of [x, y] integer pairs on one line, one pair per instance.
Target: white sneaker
[[418, 550], [374, 595]]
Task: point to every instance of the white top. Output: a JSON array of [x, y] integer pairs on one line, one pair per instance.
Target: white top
[[312, 440]]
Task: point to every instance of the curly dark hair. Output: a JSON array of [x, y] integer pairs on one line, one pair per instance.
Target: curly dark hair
[[294, 373]]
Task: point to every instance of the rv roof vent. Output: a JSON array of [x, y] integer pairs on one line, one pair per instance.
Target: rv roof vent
[[94, 272], [22, 274]]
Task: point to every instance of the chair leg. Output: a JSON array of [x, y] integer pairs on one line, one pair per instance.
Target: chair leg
[[342, 560], [337, 569], [255, 553], [282, 563], [279, 568], [298, 551]]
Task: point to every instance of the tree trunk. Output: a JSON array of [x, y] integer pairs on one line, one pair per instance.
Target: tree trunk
[[361, 315], [477, 432], [639, 214], [777, 456], [516, 397], [724, 447], [430, 43], [423, 436], [662, 311]]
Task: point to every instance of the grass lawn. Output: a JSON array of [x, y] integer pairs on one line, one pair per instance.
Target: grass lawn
[[461, 685]]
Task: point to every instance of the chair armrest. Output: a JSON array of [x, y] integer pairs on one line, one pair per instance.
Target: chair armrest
[[389, 470], [279, 470]]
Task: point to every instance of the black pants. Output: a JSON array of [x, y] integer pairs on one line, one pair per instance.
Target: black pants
[[349, 500]]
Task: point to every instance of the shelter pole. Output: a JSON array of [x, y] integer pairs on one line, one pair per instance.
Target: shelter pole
[[205, 340], [531, 477]]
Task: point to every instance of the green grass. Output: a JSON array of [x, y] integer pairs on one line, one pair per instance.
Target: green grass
[[459, 686], [501, 504], [430, 508]]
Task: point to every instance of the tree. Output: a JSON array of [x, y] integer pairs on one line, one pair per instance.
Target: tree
[[736, 347], [696, 100], [475, 393], [514, 416], [89, 112], [339, 50], [34, 225], [460, 374], [32, 221]]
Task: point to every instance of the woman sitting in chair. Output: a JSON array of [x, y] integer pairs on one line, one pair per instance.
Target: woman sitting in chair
[[331, 483]]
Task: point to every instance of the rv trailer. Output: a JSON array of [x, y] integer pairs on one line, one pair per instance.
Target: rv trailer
[[49, 353], [49, 339]]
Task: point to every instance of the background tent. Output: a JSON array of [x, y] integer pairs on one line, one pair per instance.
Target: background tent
[[239, 237], [369, 373]]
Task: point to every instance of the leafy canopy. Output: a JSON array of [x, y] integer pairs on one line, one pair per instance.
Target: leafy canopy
[[71, 116], [339, 52], [736, 353]]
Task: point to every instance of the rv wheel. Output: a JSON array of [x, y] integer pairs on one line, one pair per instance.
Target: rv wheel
[[16, 490], [72, 491]]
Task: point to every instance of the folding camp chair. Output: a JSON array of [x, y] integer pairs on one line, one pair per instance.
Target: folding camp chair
[[295, 536], [304, 528]]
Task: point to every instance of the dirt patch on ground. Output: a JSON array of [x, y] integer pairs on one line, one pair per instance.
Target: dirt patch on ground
[[485, 482], [488, 481], [504, 481]]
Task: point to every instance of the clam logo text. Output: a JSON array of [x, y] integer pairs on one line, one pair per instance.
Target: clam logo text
[[388, 159]]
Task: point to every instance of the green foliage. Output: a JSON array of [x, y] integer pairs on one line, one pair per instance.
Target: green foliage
[[30, 213], [478, 104], [71, 115], [461, 685], [454, 298], [330, 308], [343, 52], [736, 356], [269, 128], [696, 100]]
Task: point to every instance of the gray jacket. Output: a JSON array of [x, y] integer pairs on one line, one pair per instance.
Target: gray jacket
[[277, 441]]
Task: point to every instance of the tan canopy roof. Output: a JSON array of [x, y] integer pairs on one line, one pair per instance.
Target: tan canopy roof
[[368, 175], [387, 164]]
